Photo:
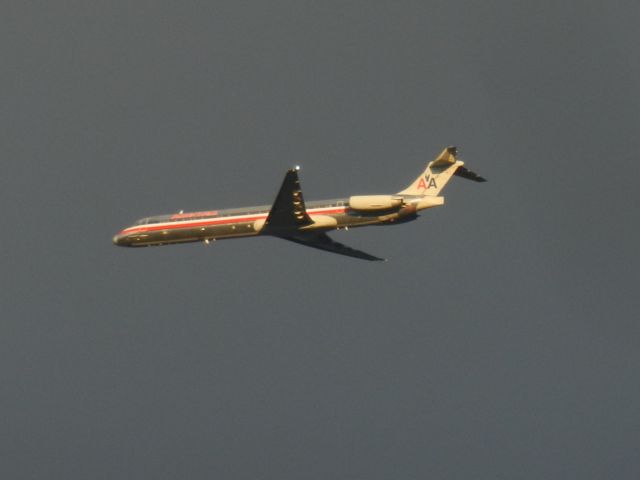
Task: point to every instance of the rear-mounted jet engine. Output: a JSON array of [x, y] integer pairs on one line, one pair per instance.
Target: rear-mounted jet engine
[[375, 203]]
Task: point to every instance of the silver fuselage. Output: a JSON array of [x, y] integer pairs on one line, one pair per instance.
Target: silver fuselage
[[246, 222]]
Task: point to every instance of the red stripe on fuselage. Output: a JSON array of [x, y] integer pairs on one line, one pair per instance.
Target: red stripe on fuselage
[[215, 221]]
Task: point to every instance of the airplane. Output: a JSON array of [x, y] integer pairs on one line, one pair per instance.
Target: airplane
[[290, 218]]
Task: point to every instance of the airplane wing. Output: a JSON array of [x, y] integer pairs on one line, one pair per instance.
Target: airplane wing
[[288, 210], [322, 241], [288, 214]]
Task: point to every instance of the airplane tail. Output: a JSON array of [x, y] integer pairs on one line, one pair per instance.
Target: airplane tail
[[438, 173]]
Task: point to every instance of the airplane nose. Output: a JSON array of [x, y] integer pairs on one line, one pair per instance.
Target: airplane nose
[[118, 239]]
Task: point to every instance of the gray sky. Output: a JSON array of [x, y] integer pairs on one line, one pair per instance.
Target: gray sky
[[501, 340]]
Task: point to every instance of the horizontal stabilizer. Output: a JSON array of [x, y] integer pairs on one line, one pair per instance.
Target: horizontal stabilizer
[[469, 175], [446, 158]]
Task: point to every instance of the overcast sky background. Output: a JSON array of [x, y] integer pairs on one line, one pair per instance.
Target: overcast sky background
[[501, 340]]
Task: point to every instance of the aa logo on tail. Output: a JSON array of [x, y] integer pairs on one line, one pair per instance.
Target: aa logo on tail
[[426, 183]]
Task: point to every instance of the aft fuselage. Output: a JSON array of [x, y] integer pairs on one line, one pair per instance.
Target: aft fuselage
[[212, 225]]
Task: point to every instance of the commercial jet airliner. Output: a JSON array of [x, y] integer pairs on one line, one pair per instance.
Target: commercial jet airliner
[[292, 219]]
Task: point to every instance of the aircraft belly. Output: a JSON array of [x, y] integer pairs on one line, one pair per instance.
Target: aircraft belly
[[186, 235], [243, 229], [353, 221], [327, 223]]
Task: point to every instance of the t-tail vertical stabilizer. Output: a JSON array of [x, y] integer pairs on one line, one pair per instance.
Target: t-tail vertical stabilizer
[[438, 173]]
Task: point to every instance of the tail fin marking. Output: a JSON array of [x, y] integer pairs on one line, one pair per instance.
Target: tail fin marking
[[436, 175]]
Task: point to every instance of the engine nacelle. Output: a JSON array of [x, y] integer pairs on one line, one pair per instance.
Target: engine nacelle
[[374, 203]]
